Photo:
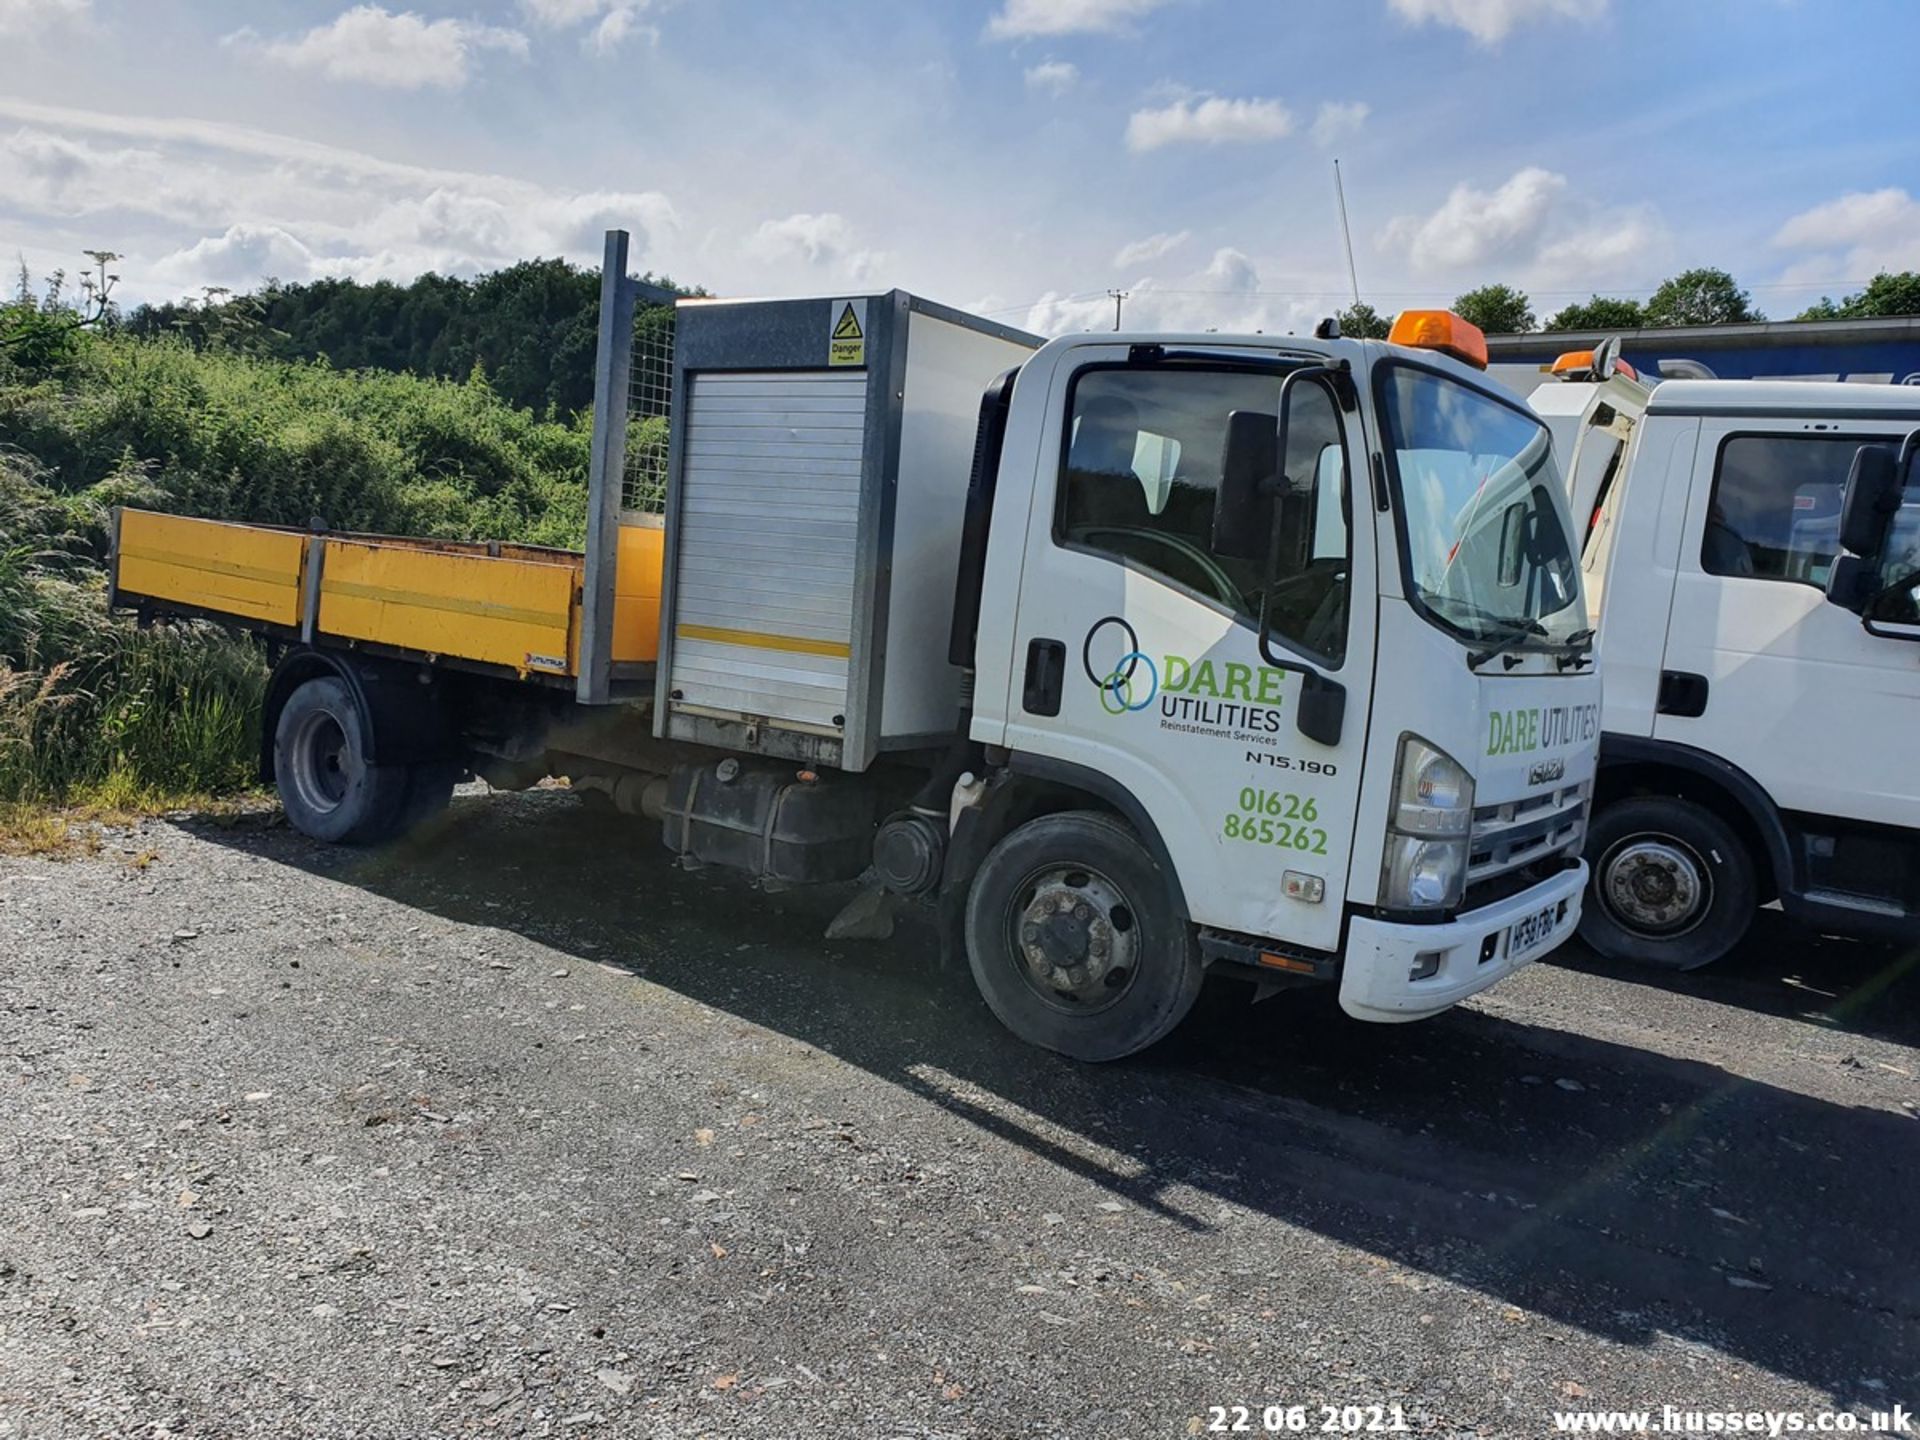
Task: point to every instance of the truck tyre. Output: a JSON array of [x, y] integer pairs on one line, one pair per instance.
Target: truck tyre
[[1673, 886], [1075, 940], [329, 789]]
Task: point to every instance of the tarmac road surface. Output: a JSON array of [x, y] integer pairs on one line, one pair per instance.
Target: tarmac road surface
[[518, 1129]]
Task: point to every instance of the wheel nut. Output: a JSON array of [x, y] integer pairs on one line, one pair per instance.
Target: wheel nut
[[1083, 912], [1030, 934]]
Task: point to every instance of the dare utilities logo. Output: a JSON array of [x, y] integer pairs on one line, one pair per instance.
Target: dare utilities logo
[[1118, 668]]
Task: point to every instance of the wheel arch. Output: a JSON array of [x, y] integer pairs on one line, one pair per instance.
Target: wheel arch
[[1632, 765], [406, 722], [1027, 787]]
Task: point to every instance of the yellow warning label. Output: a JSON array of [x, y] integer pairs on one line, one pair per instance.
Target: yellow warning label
[[848, 343]]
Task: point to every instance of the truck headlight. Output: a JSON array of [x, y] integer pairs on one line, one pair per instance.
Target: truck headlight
[[1428, 830]]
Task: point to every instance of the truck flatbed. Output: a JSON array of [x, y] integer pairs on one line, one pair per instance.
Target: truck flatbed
[[506, 608]]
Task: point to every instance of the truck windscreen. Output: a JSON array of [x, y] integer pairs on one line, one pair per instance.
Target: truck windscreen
[[1483, 529]]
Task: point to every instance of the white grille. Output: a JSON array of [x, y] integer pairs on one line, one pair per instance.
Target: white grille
[[1518, 832]]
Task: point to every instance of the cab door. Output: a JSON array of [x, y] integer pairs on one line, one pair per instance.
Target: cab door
[[1761, 668], [1136, 645]]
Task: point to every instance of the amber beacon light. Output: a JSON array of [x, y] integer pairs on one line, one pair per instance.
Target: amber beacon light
[[1440, 330]]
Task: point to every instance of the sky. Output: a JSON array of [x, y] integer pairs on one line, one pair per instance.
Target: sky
[[1018, 158]]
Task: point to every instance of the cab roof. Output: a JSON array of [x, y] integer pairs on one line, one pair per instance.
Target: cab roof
[[1776, 397]]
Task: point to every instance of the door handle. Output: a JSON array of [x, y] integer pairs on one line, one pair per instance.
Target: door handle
[[1046, 673]]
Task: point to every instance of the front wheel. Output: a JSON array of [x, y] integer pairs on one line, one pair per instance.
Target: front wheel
[[1075, 941], [1673, 886]]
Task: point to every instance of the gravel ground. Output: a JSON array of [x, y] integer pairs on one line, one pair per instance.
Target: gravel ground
[[520, 1130]]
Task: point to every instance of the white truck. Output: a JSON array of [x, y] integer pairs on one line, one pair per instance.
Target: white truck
[[1134, 655], [1751, 552]]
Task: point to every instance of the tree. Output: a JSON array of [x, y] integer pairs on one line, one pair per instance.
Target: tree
[[1702, 296], [532, 327], [1886, 294], [1360, 321], [1496, 309], [1602, 312]]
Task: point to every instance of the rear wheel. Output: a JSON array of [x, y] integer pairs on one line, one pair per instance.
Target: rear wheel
[[1075, 941], [1673, 885], [328, 786]]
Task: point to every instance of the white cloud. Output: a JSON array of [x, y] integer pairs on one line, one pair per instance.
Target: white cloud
[[1056, 77], [614, 20], [612, 31], [1145, 252], [818, 237], [400, 51], [1491, 21], [1019, 18], [560, 13], [1338, 119], [239, 259], [1212, 121], [27, 19], [1627, 247], [1479, 227], [194, 203], [1226, 295], [1534, 230], [1850, 239], [826, 241]]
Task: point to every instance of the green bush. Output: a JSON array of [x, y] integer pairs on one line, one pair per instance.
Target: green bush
[[92, 708], [234, 437]]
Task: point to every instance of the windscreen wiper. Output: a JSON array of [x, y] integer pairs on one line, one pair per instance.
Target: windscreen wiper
[[1518, 634], [1579, 650]]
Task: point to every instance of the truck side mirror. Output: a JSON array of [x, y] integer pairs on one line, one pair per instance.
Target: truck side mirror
[[1872, 496], [1249, 466], [1867, 506]]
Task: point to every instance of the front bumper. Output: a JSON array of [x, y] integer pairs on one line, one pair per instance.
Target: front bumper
[[1374, 983]]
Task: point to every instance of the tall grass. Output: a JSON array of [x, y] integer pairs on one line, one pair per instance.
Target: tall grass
[[94, 710]]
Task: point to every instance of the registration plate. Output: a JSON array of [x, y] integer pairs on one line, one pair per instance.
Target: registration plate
[[1531, 934]]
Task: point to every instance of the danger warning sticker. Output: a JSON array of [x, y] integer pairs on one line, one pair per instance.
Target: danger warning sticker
[[847, 344]]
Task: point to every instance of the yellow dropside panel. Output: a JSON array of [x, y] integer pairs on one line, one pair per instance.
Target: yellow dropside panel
[[636, 593], [240, 570], [501, 611]]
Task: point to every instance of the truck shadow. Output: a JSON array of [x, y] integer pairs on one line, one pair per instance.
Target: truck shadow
[[1626, 1193], [1785, 970]]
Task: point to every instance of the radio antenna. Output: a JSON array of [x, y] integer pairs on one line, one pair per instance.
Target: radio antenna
[[1346, 231]]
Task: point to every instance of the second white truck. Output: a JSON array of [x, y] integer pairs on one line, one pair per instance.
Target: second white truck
[[1751, 551]]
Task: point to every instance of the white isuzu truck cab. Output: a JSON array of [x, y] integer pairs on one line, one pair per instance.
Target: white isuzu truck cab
[[1346, 698], [1752, 556]]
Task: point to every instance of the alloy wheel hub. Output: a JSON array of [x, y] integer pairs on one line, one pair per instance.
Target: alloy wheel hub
[[1657, 885], [1077, 939]]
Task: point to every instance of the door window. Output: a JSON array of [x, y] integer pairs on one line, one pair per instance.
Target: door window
[[1141, 475], [1774, 513]]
